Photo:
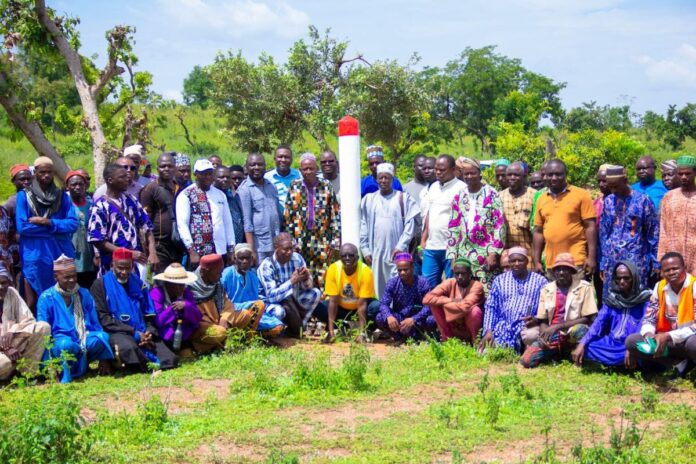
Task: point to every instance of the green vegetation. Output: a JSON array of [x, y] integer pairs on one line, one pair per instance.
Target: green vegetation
[[313, 403]]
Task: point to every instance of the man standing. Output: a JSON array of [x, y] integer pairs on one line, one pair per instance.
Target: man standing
[[158, 199], [236, 178], [46, 222], [647, 184], [375, 157], [21, 337], [135, 154], [203, 217], [285, 280], [419, 181], [118, 220], [75, 329], [436, 211], [628, 229], [501, 173], [182, 173], [312, 218], [127, 314], [565, 222], [21, 177], [282, 176], [215, 161], [669, 174], [388, 222], [132, 188], [262, 215], [85, 261], [222, 182], [329, 170], [677, 219], [518, 200], [536, 181]]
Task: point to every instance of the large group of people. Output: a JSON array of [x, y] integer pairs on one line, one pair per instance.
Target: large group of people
[[152, 268]]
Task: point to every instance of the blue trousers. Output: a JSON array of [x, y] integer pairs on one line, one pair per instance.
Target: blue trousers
[[434, 263], [97, 349]]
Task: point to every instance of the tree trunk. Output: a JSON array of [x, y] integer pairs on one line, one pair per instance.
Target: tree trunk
[[32, 131]]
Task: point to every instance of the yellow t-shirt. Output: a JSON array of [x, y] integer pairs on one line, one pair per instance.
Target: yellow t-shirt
[[347, 287]]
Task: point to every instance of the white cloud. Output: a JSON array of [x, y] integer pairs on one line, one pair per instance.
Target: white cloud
[[237, 18], [678, 70]]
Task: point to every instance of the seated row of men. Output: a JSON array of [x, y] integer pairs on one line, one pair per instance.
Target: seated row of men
[[122, 322]]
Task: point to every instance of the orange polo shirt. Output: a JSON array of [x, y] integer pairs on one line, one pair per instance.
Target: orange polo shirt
[[561, 217]]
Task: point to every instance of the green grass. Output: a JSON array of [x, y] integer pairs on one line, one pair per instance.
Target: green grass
[[313, 403]]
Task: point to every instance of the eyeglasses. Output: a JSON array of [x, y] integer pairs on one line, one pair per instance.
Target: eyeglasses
[[130, 168], [621, 278]]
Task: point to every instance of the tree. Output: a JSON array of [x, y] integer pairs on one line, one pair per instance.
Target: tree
[[196, 86], [600, 118], [675, 126]]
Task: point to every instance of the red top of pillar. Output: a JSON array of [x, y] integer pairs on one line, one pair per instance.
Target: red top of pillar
[[348, 126]]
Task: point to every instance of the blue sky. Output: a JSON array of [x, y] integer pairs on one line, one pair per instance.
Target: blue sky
[[611, 51]]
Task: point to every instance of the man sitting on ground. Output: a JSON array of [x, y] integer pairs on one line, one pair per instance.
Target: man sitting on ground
[[127, 314], [219, 314], [566, 308], [75, 329], [351, 289], [286, 281], [456, 304], [668, 325], [21, 337], [402, 313]]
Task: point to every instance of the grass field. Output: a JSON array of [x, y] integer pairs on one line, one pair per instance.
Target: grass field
[[425, 403]]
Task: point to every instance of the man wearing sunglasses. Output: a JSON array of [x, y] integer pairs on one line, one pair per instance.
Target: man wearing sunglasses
[[134, 187]]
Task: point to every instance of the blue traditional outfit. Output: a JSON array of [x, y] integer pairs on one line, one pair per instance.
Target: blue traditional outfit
[[41, 245], [618, 318], [655, 191], [401, 302], [628, 231], [75, 327]]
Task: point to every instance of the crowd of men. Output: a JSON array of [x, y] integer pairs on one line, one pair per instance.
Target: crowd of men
[[152, 268]]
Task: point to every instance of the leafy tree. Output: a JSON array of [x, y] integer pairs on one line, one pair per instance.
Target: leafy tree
[[675, 126], [600, 118], [196, 86]]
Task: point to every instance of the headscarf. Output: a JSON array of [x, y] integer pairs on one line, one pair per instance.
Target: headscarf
[[403, 257], [669, 165], [638, 296], [464, 161], [203, 292], [518, 250], [462, 261], [44, 203], [17, 168]]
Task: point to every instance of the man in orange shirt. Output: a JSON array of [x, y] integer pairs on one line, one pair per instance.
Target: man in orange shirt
[[565, 221]]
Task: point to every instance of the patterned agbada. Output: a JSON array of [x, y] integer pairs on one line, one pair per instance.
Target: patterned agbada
[[518, 212], [677, 226], [313, 219], [401, 302], [477, 229], [628, 230]]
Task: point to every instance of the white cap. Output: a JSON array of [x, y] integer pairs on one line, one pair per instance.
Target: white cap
[[386, 168], [202, 165], [133, 150]]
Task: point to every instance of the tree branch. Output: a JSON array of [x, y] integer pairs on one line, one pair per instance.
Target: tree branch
[[187, 136]]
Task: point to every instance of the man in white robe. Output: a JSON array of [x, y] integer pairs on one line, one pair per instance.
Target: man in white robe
[[388, 222]]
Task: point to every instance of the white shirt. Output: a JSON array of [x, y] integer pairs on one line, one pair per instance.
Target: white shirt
[[679, 334], [437, 206], [223, 228]]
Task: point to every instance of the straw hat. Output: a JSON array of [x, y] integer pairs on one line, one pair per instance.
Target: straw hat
[[564, 260], [176, 274]]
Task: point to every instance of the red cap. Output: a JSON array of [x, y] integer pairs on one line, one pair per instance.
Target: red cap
[[74, 173], [17, 168], [122, 253], [211, 262], [348, 126]]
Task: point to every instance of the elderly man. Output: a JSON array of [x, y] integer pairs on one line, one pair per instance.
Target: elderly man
[[565, 221], [182, 171], [224, 183], [501, 167], [351, 289], [203, 217], [85, 260], [127, 314], [219, 314], [75, 329], [136, 153], [436, 209], [388, 222], [117, 220], [518, 200], [668, 333], [262, 214], [312, 218], [286, 281], [21, 337], [457, 304], [647, 184], [566, 309], [477, 227], [283, 175], [669, 174], [375, 157], [402, 313], [133, 188], [536, 181], [329, 170], [628, 229], [46, 222], [511, 303], [677, 219], [157, 199]]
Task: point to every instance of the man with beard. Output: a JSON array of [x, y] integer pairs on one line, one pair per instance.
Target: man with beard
[[518, 200], [329, 170], [647, 184]]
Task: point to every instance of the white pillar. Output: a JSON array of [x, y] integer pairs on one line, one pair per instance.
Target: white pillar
[[349, 162]]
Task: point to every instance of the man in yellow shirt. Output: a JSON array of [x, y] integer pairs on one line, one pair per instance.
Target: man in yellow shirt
[[351, 289]]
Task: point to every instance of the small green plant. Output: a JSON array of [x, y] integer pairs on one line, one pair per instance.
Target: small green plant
[[355, 366], [617, 384], [279, 457], [154, 413], [448, 413], [624, 446], [438, 352], [501, 354], [484, 383], [511, 383], [239, 340], [493, 404], [649, 398]]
